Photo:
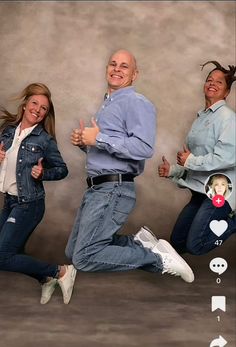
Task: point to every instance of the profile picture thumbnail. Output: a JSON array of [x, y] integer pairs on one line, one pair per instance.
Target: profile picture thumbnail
[[218, 184]]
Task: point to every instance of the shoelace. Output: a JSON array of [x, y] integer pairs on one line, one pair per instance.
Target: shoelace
[[167, 269]]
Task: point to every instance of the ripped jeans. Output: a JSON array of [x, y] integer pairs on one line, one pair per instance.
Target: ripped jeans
[[94, 244], [17, 222]]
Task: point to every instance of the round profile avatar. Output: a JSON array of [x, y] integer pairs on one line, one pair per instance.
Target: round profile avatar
[[218, 184]]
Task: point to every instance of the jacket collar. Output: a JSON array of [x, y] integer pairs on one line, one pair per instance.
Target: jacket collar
[[36, 131]]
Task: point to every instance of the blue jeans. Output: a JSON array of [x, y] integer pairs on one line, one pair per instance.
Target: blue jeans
[[94, 244], [192, 232], [17, 222]]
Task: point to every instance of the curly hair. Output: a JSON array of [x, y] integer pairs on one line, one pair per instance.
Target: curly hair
[[229, 73]]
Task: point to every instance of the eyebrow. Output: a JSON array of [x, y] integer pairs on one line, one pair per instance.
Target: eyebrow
[[38, 101], [114, 61]]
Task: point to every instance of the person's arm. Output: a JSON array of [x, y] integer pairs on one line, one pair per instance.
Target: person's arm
[[223, 155], [176, 171], [54, 168], [76, 137], [141, 131]]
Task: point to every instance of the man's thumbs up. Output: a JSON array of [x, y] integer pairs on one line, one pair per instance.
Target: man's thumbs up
[[89, 134], [94, 123]]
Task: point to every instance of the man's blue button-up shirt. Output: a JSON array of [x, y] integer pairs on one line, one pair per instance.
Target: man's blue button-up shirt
[[127, 122]]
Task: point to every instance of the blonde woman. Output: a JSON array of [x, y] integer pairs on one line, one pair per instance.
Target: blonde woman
[[28, 156], [219, 185]]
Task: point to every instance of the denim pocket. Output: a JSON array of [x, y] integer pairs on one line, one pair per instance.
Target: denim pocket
[[124, 204], [34, 152]]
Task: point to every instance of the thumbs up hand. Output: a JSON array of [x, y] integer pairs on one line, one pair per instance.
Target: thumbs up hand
[[76, 135], [183, 155], [37, 170], [164, 168], [2, 152], [89, 134]]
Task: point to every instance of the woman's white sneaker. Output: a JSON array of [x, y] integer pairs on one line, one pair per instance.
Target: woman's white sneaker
[[67, 282], [47, 290]]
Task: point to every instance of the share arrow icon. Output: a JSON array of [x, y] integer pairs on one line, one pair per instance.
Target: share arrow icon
[[219, 342]]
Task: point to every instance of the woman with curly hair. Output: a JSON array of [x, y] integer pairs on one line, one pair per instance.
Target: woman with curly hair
[[210, 148]]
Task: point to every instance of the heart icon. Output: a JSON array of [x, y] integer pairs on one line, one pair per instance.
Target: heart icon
[[218, 227]]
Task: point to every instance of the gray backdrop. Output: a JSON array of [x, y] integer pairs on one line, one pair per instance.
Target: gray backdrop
[[66, 46]]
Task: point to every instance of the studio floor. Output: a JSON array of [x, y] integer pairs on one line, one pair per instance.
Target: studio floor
[[129, 309]]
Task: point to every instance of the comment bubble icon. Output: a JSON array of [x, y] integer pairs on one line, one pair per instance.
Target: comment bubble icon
[[218, 265]]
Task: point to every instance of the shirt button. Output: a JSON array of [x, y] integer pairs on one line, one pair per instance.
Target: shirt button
[[19, 174], [23, 147], [33, 149], [20, 160]]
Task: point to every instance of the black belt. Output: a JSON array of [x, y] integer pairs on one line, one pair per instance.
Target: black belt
[[91, 181]]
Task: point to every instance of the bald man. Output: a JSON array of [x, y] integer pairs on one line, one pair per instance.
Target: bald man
[[121, 138]]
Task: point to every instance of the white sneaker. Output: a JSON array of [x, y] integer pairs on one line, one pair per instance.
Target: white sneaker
[[173, 263], [67, 283], [47, 290], [146, 237]]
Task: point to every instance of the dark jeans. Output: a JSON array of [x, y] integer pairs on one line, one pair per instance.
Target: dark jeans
[[17, 222], [192, 232]]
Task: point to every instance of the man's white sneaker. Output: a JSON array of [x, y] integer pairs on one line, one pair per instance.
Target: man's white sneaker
[[67, 283], [146, 237], [47, 290], [173, 263]]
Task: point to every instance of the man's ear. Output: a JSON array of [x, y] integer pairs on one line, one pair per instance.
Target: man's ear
[[135, 75]]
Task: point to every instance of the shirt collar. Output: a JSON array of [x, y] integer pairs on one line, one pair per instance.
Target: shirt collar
[[121, 91], [212, 108]]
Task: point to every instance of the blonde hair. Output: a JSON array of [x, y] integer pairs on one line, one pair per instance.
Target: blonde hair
[[48, 122], [213, 183]]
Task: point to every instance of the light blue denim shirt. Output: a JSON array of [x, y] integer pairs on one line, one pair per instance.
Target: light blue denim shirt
[[212, 143], [127, 122]]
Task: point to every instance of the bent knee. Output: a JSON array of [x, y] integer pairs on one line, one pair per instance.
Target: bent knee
[[81, 262]]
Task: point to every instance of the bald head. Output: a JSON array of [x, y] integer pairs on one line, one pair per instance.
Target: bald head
[[125, 52], [121, 70]]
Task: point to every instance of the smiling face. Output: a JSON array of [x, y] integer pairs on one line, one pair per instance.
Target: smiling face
[[220, 186], [35, 110], [215, 87], [121, 70]]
